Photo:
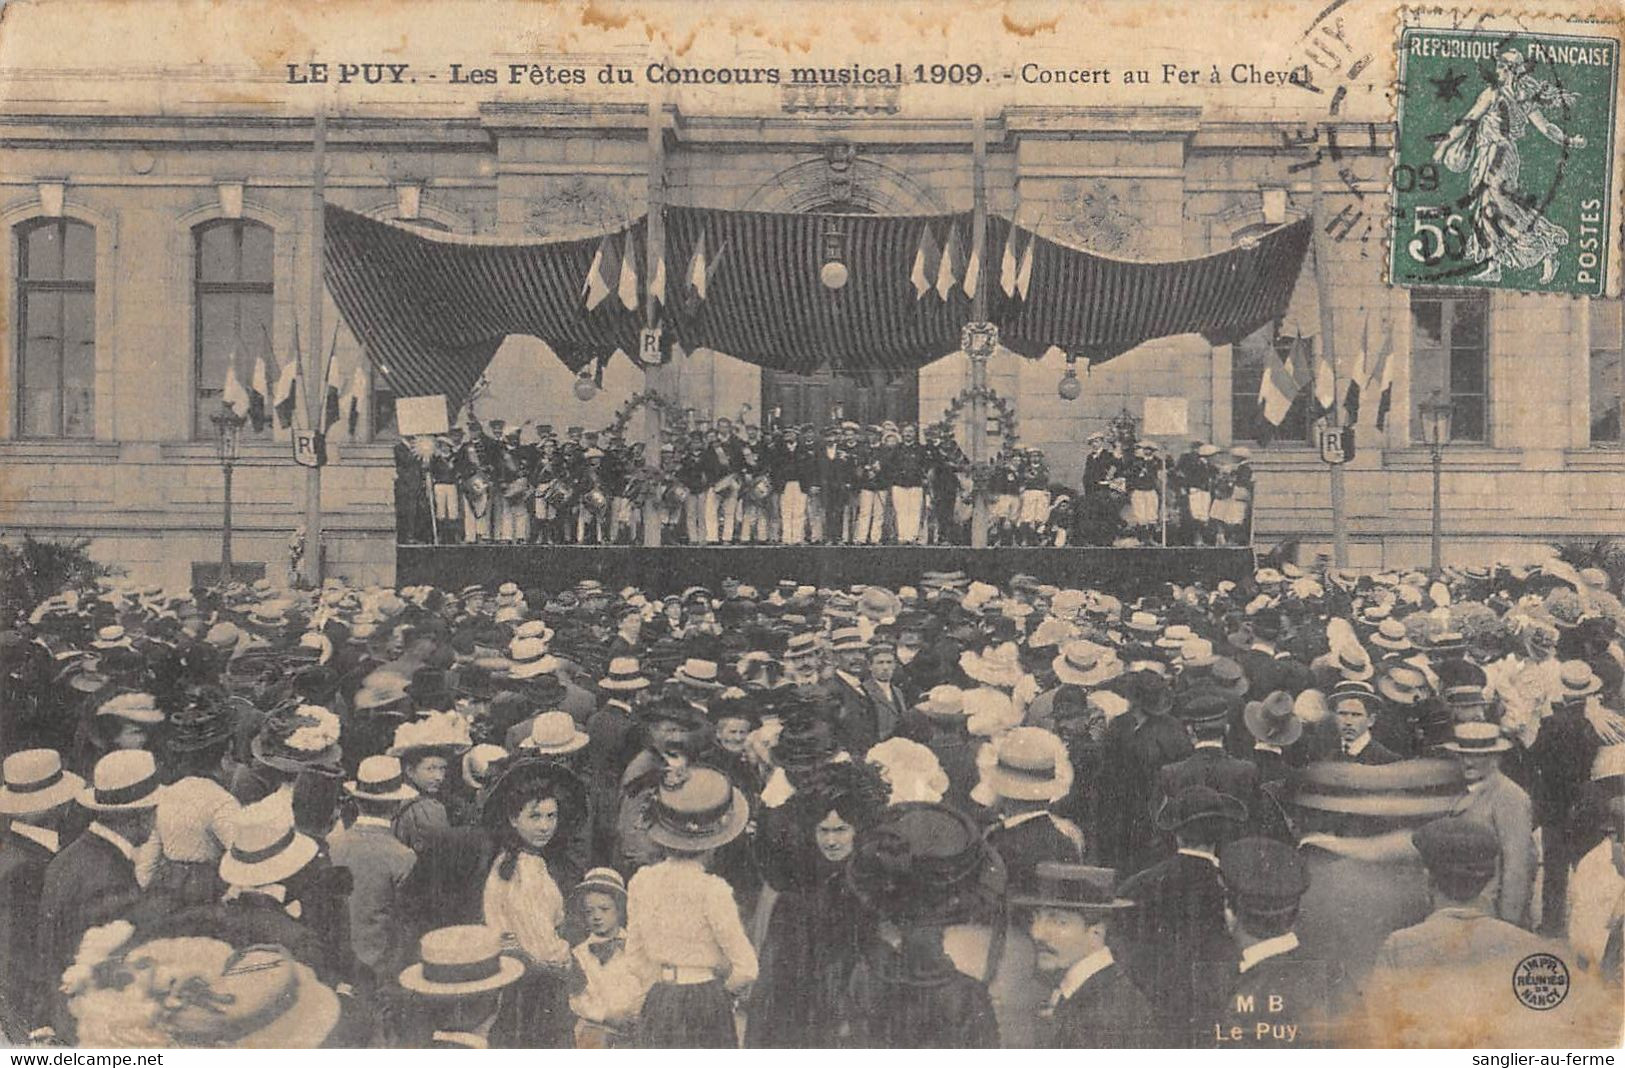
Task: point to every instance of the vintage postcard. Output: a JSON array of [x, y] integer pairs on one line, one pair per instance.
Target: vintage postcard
[[624, 524]]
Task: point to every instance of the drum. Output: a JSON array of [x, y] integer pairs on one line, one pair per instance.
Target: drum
[[676, 496], [761, 488], [596, 500], [516, 490], [727, 484]]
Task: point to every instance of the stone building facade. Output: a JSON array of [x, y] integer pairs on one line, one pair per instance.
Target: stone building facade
[[147, 250]]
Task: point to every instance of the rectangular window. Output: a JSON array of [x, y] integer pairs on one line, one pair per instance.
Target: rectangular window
[[1247, 422], [56, 273], [1607, 371], [1450, 354], [233, 265]]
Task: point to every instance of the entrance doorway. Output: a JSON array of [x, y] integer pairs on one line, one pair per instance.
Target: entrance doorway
[[865, 397]]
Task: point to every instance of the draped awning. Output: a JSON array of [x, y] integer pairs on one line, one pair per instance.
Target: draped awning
[[431, 311]]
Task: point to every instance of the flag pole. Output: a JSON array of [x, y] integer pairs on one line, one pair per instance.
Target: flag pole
[[655, 378], [315, 388], [978, 364], [1328, 351]]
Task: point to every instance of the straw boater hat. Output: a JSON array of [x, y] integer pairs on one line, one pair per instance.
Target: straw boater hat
[[528, 658], [1355, 690], [123, 781], [266, 850], [1472, 739], [554, 734], [36, 782], [602, 881], [1408, 790], [697, 673], [1272, 721], [1030, 764], [1391, 635], [800, 646], [623, 675], [1074, 888], [380, 778], [848, 640], [1402, 684], [459, 962], [1578, 680], [1083, 663], [703, 811]]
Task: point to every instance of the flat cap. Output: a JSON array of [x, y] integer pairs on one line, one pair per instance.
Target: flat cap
[[1262, 873], [1457, 845]]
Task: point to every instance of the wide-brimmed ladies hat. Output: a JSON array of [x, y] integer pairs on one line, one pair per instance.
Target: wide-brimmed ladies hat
[[459, 962], [1272, 720], [266, 850], [943, 702], [298, 737], [999, 666], [482, 764], [380, 778], [554, 733], [925, 863], [203, 724], [123, 781], [446, 734], [1083, 663], [35, 782], [702, 811], [623, 676], [135, 707], [1472, 739]]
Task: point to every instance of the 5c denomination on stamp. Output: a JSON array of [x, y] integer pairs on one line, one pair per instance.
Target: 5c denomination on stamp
[[1504, 159]]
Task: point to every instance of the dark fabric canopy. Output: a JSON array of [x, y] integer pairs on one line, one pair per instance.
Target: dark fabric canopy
[[431, 312]]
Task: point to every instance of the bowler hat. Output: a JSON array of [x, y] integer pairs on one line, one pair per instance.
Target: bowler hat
[[1073, 887], [1198, 803]]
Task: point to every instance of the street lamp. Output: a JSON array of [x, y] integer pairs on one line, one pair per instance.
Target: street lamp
[[1436, 416], [228, 427]]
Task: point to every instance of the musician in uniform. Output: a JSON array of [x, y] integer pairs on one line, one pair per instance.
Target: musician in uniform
[[787, 464], [1004, 485], [692, 472], [947, 473], [1190, 481], [1143, 474], [448, 501], [869, 479], [474, 465], [551, 490], [592, 497], [905, 472], [627, 474], [673, 495], [1035, 498], [834, 479], [722, 484], [756, 493], [570, 462], [1232, 498], [513, 485]]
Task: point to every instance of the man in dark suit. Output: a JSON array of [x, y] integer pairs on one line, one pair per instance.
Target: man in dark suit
[[1136, 744], [1564, 751], [1094, 1005], [886, 698], [1178, 924], [1268, 667], [1355, 704], [1206, 714], [857, 727], [1263, 882], [93, 880], [35, 798]]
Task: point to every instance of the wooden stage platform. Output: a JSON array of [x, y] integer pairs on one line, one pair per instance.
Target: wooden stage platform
[[670, 569]]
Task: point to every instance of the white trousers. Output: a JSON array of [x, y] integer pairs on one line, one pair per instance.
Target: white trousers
[[871, 517], [793, 514], [907, 503]]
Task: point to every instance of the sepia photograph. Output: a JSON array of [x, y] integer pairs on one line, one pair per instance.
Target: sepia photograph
[[627, 524]]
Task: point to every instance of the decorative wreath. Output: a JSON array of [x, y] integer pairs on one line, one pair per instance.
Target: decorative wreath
[[1003, 410], [646, 398]]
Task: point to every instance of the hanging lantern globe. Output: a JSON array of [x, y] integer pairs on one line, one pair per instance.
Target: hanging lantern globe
[[832, 241], [833, 274], [585, 388], [1070, 388]]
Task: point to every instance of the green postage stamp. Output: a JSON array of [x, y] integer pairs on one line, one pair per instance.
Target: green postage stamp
[[1504, 160]]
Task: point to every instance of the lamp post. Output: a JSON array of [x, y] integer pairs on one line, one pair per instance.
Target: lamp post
[[1436, 416], [228, 427]]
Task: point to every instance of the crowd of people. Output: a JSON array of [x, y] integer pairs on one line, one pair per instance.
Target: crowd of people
[[1279, 812], [728, 483]]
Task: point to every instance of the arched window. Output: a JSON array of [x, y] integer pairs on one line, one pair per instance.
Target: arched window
[[233, 262], [56, 305]]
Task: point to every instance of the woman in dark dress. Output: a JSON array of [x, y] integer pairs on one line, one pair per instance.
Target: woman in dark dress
[[816, 930]]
